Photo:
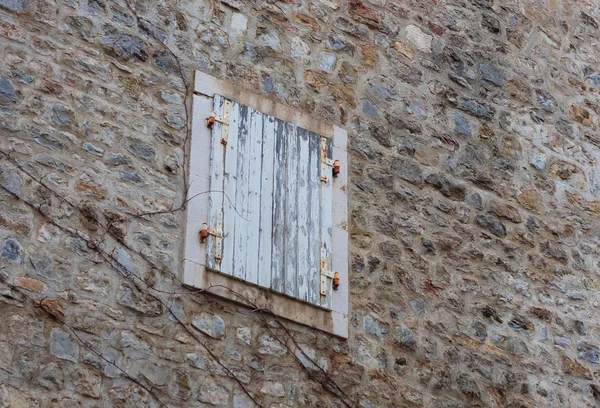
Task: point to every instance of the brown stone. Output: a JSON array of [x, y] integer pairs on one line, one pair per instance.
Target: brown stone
[[32, 285], [370, 56], [315, 80], [54, 307], [504, 210], [573, 367], [343, 95], [582, 116], [404, 50], [94, 191], [532, 200], [569, 173]]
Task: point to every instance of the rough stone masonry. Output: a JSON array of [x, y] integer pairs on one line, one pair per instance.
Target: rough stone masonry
[[474, 197]]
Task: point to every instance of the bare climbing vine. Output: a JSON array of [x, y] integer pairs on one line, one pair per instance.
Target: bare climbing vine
[[108, 257]]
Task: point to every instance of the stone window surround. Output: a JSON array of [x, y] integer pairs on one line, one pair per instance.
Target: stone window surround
[[196, 275]]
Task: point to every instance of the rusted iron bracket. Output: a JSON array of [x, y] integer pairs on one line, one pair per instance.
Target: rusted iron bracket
[[325, 273], [223, 120], [206, 231]]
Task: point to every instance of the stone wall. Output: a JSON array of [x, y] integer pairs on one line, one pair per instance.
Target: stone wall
[[474, 202]]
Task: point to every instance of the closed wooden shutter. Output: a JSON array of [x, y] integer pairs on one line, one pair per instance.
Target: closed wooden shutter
[[270, 205]]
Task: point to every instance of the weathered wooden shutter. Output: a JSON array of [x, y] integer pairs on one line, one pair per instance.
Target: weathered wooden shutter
[[270, 203]]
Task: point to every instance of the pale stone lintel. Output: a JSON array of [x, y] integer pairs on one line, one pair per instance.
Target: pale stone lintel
[[209, 86], [250, 295]]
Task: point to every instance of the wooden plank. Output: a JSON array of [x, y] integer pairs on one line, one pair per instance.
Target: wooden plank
[[326, 217], [291, 213], [215, 198], [240, 237], [279, 206], [303, 203], [255, 142], [229, 189], [266, 202], [314, 234]]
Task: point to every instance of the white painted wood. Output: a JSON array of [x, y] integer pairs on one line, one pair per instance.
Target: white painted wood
[[326, 219], [254, 190], [209, 86], [314, 236], [215, 198], [292, 309], [340, 138], [266, 204], [303, 203], [279, 207], [340, 190], [201, 141], [339, 263], [240, 237], [229, 190], [291, 213], [197, 213]]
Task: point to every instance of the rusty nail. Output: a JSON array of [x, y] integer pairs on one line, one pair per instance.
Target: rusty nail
[[336, 281], [336, 168], [210, 121]]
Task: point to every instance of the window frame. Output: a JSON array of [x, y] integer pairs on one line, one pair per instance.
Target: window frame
[[195, 272]]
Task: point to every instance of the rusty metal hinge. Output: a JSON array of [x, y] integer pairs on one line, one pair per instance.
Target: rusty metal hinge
[[325, 273], [223, 120], [206, 231]]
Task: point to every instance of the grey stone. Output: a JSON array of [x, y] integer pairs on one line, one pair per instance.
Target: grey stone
[[11, 180], [131, 297], [49, 142], [62, 116], [244, 335], [63, 346], [17, 6], [42, 264], [299, 50], [418, 306], [8, 92], [273, 388], [210, 324], [213, 393], [141, 149], [124, 260], [12, 250], [408, 171], [154, 373], [51, 377], [132, 177], [122, 45], [133, 347], [269, 38], [476, 108], [96, 151], [113, 356], [404, 338], [268, 84], [372, 326], [546, 100], [196, 361], [492, 224], [166, 62], [53, 162], [491, 74], [461, 125], [588, 352], [82, 26], [327, 61], [370, 109], [271, 346], [449, 188], [118, 159]]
